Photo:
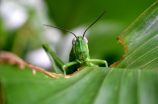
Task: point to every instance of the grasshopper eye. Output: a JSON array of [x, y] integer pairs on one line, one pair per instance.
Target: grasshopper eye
[[73, 40], [86, 40]]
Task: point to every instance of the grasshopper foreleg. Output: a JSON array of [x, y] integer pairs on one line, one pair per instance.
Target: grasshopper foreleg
[[68, 64], [99, 61]]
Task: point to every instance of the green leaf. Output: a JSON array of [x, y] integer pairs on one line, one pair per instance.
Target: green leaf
[[91, 85], [140, 40]]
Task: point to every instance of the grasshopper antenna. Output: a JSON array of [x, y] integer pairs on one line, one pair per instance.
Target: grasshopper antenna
[[61, 29], [93, 23]]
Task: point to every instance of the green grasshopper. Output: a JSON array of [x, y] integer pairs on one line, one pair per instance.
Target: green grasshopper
[[79, 54]]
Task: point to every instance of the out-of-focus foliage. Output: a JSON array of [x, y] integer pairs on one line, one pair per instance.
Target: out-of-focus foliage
[[72, 14]]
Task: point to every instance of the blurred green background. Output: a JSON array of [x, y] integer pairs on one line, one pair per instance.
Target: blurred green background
[[23, 33]]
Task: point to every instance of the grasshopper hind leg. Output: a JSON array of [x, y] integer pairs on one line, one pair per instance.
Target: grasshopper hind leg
[[54, 57]]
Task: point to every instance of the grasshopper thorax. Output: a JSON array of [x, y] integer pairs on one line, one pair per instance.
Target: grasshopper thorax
[[80, 48]]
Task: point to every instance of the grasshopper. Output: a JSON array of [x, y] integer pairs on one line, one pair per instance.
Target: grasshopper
[[78, 58], [79, 54]]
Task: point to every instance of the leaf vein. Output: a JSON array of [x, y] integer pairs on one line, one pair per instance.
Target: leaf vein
[[142, 56], [101, 85]]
